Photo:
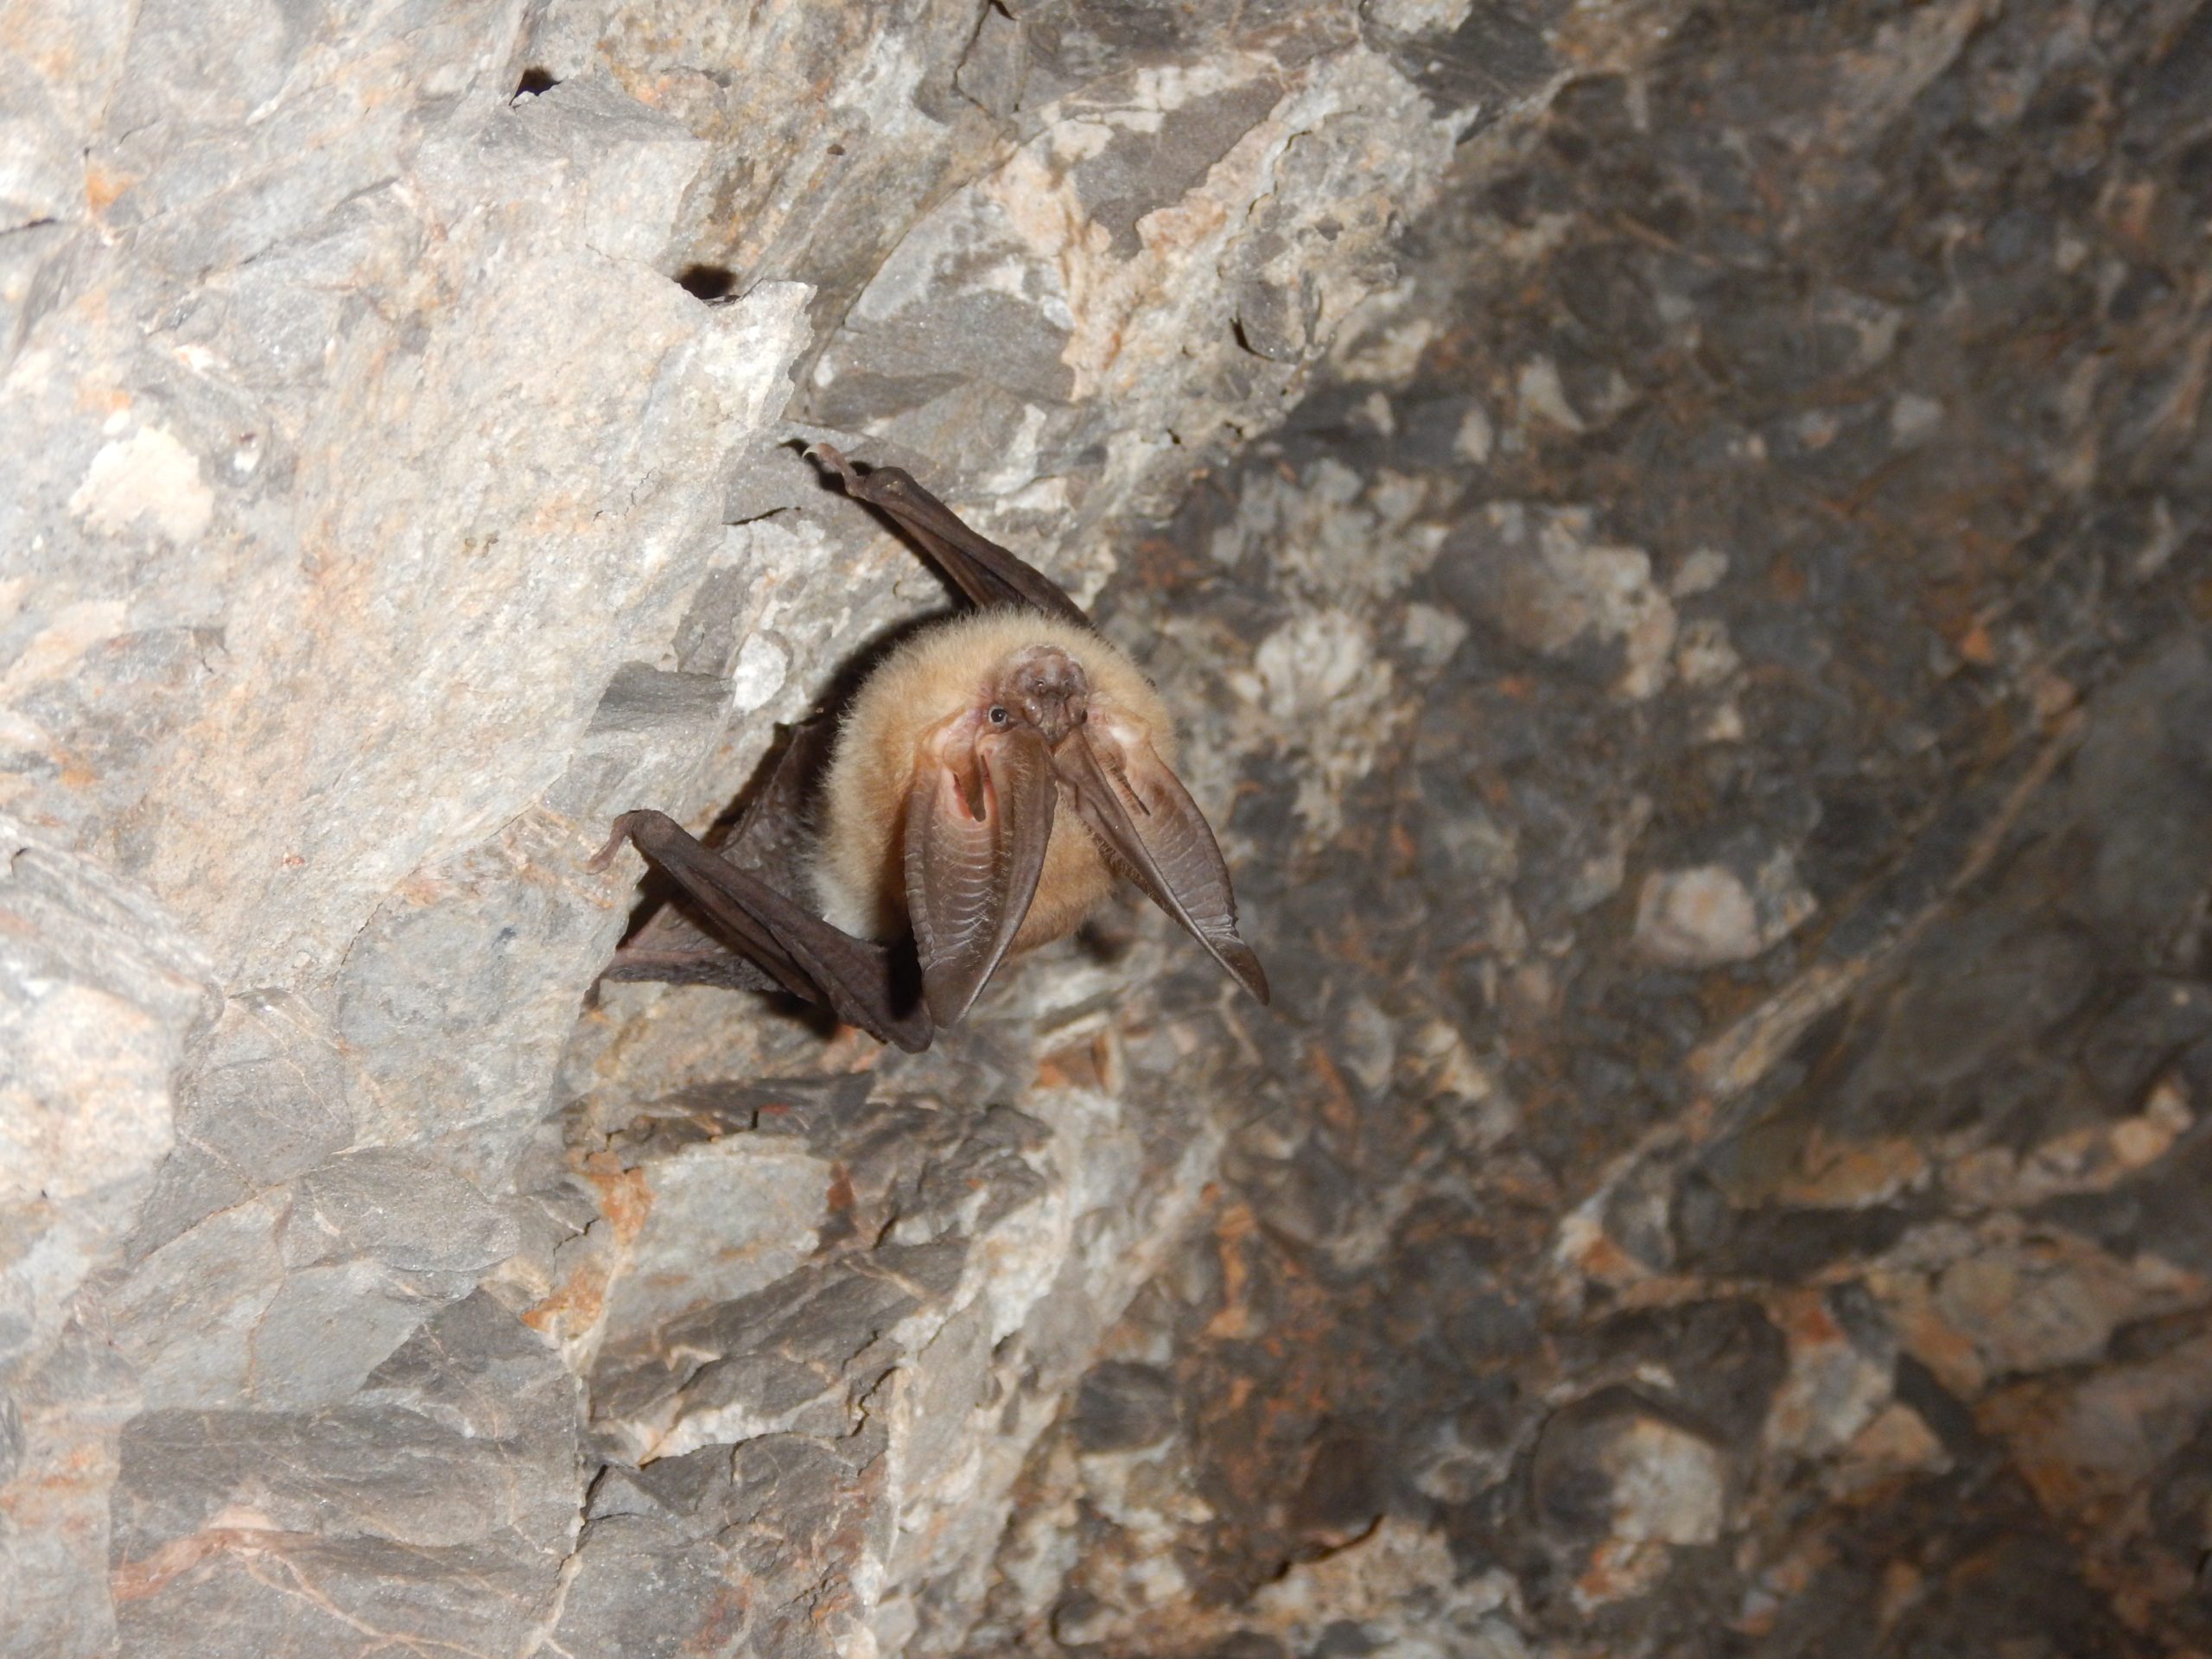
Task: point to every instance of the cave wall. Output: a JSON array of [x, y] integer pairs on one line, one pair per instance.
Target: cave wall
[[1735, 1181], [401, 482], [1679, 536]]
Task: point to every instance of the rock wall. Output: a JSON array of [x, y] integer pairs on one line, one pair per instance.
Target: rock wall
[[1726, 736], [401, 482], [1679, 537]]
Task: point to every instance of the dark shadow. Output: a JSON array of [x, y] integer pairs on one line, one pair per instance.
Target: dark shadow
[[712, 283]]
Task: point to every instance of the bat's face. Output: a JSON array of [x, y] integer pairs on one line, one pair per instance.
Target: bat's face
[[1043, 687], [987, 775]]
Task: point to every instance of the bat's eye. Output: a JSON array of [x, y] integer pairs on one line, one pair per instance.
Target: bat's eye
[[998, 716]]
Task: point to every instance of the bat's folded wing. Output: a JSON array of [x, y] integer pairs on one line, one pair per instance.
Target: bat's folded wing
[[988, 574], [977, 826], [1148, 821], [856, 978]]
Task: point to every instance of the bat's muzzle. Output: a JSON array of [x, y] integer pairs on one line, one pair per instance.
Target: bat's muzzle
[[1048, 688]]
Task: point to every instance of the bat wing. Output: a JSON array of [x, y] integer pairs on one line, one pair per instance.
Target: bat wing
[[768, 842], [797, 949], [1148, 821], [988, 574], [977, 825]]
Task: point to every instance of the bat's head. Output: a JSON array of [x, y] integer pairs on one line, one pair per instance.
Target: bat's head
[[1042, 686]]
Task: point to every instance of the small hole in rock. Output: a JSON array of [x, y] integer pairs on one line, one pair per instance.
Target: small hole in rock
[[707, 283], [535, 81]]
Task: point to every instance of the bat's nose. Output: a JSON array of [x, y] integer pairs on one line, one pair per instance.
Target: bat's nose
[[1049, 689], [1055, 713], [1053, 674]]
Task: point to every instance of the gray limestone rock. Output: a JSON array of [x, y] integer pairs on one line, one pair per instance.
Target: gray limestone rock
[[436, 1504], [102, 992]]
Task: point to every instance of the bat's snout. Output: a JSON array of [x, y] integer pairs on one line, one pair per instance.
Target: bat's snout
[[1046, 688]]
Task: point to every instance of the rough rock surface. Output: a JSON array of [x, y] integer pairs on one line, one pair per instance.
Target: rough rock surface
[[1723, 748], [1683, 538]]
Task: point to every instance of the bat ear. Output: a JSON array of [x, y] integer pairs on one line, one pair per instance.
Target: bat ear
[[977, 825], [1149, 824]]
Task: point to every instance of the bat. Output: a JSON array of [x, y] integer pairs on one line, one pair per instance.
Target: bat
[[991, 778]]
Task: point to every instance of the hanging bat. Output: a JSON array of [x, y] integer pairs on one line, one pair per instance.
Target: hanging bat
[[991, 778]]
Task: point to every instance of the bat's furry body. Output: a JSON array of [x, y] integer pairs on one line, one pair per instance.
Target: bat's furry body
[[992, 776], [859, 869]]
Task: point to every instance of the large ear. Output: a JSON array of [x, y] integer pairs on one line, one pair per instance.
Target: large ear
[[1148, 822], [978, 820]]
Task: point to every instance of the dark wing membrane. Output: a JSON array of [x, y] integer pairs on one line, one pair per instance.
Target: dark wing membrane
[[806, 954], [972, 866], [989, 573], [1147, 820], [768, 842]]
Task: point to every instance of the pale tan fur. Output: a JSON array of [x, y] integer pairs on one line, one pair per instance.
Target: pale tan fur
[[860, 869]]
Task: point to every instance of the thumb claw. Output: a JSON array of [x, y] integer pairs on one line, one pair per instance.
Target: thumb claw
[[599, 860], [832, 457]]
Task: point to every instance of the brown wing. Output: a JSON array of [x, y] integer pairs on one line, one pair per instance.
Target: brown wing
[[1146, 819], [859, 979], [771, 841], [977, 825], [987, 573]]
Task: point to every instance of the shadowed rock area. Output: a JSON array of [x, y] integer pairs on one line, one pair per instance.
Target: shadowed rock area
[[1682, 540]]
